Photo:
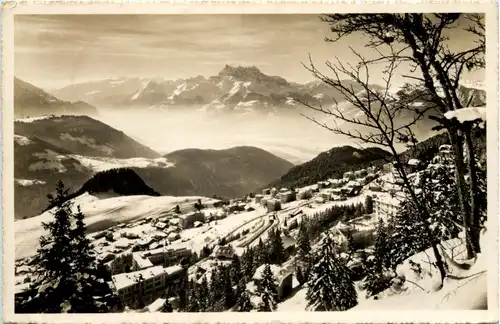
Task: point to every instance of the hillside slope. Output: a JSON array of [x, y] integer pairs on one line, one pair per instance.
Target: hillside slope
[[330, 164], [83, 135], [228, 173], [32, 101]]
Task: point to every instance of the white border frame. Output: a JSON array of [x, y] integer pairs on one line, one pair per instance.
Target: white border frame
[[246, 7]]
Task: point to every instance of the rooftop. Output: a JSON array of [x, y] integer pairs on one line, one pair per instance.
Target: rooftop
[[124, 280]]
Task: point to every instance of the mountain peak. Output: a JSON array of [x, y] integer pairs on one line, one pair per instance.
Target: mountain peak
[[239, 71]]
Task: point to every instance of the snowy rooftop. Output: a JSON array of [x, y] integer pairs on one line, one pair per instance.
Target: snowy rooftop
[[124, 280], [156, 305], [278, 272]]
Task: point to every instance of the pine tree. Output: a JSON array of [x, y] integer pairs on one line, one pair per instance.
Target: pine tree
[[276, 248], [227, 290], [369, 204], [177, 209], [330, 288], [300, 275], [248, 263], [235, 271], [243, 304], [267, 290], [65, 276], [303, 244], [261, 253], [193, 300], [204, 295]]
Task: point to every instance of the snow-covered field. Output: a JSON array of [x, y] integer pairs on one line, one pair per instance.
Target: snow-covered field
[[100, 213], [98, 164]]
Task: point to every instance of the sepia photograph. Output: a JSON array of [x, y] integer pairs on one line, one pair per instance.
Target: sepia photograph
[[214, 163]]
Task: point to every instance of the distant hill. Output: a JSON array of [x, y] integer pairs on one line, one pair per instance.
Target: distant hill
[[124, 182], [30, 101], [121, 182], [83, 135], [330, 164], [38, 166], [228, 173]]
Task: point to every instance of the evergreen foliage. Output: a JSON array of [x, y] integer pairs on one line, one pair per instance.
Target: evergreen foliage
[[330, 287], [67, 276], [267, 290]]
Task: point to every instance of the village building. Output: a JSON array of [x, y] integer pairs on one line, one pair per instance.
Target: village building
[[360, 174], [284, 280], [223, 252], [147, 284], [258, 198], [187, 220], [161, 225], [386, 206], [273, 205], [266, 192], [304, 194], [349, 175], [166, 255], [414, 165], [286, 196]]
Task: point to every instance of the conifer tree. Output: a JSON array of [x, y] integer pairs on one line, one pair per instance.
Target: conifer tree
[[65, 275], [330, 287], [303, 243], [275, 249], [235, 271], [243, 304], [227, 289], [267, 290], [248, 262]]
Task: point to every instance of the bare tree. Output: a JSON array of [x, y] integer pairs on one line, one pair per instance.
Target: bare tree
[[377, 122], [421, 40]]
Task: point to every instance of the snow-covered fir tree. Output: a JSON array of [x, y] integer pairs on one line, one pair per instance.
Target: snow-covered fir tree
[[65, 277], [267, 290], [243, 303], [330, 287]]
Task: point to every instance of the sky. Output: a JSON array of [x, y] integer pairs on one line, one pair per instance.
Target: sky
[[59, 50]]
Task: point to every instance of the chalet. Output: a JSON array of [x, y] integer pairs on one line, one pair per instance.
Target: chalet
[[223, 252], [258, 198], [273, 192], [266, 192], [284, 280], [187, 220], [161, 225]]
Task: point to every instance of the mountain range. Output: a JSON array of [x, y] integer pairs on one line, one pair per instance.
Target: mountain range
[[75, 148], [30, 101], [236, 89]]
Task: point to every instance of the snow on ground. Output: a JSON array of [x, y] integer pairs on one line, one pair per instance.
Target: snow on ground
[[49, 160], [22, 140], [90, 142], [101, 214], [98, 164], [27, 183], [31, 119]]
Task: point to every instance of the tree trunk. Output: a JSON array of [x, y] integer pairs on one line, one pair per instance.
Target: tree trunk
[[460, 180], [473, 187], [422, 211]]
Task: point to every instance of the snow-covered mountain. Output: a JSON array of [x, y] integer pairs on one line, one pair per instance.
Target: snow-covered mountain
[[30, 101], [235, 89]]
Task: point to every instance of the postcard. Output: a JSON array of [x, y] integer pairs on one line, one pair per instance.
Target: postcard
[[250, 162]]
